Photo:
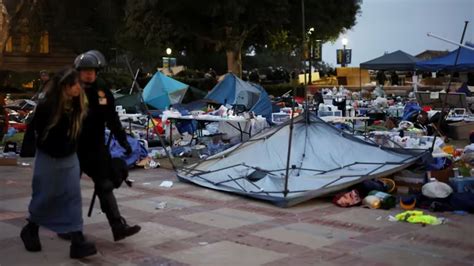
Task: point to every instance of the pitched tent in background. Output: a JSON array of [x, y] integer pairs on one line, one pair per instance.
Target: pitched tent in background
[[163, 91], [194, 94], [465, 61], [397, 60], [131, 103], [323, 160], [232, 90]]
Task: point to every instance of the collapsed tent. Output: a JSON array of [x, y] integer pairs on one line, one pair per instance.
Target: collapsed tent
[[323, 160], [465, 61], [163, 91], [234, 91], [397, 60]]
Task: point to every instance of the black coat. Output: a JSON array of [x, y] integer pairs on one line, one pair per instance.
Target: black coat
[[92, 150], [57, 143]]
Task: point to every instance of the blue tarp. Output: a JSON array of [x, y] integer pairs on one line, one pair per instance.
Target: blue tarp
[[232, 90], [465, 61], [163, 91], [117, 151]]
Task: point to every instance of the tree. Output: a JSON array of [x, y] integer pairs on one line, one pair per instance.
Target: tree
[[4, 27], [231, 25]]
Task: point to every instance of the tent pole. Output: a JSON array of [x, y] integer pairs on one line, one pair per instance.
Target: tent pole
[[451, 77], [457, 56], [289, 142], [168, 154], [134, 81]]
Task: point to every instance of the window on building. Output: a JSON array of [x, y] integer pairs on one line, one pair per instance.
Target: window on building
[[9, 45], [25, 44], [44, 43]]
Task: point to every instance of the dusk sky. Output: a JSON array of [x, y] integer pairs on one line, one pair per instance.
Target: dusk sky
[[390, 25]]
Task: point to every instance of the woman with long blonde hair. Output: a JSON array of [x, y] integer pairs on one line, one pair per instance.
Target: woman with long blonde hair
[[56, 202]]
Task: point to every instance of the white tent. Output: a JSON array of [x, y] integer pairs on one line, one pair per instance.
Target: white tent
[[323, 160]]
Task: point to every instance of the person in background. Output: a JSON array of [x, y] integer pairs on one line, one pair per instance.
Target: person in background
[[56, 202], [394, 78], [381, 77], [40, 84]]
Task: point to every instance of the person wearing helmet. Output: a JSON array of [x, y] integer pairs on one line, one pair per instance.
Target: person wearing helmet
[[94, 156]]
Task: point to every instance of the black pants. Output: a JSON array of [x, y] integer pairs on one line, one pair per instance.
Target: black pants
[[98, 167]]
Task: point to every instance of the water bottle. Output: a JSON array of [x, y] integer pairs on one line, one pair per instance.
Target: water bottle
[[456, 173]]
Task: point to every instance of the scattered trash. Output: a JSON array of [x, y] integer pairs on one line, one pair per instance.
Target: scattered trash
[[166, 184], [25, 164], [152, 164], [146, 184], [379, 218], [161, 205], [392, 218], [203, 243]]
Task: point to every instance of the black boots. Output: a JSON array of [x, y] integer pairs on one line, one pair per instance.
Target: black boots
[[30, 237], [121, 230], [80, 248]]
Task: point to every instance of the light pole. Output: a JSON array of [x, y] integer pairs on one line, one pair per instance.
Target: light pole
[[344, 43], [168, 52], [310, 53]]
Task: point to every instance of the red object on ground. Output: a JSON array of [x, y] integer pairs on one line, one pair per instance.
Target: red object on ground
[[159, 126], [20, 127], [299, 100], [426, 108]]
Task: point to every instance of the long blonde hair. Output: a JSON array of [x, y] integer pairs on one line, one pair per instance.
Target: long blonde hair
[[57, 99]]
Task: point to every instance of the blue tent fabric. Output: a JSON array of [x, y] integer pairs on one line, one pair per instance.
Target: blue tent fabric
[[465, 61], [163, 91], [231, 90], [410, 109]]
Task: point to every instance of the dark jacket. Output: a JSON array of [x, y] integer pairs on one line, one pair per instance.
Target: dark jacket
[[57, 143], [101, 113]]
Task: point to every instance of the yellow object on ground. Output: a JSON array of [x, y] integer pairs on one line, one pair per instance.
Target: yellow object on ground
[[417, 217], [449, 149]]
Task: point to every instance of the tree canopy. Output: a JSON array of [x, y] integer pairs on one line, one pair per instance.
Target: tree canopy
[[234, 24], [198, 27]]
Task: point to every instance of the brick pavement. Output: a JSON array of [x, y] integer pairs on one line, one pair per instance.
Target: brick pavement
[[204, 227]]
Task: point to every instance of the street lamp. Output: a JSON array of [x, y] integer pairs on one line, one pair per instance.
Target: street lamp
[[168, 51], [344, 43]]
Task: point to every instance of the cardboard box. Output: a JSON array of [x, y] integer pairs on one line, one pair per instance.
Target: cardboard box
[[460, 130], [443, 175], [8, 161]]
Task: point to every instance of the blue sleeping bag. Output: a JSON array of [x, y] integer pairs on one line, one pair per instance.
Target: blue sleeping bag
[[138, 150]]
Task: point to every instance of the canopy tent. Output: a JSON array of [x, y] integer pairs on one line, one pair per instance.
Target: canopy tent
[[232, 90], [465, 61], [163, 91], [397, 60], [323, 159]]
